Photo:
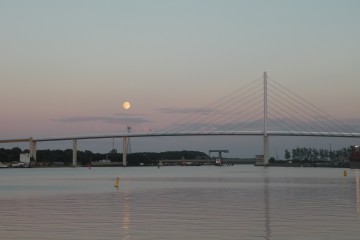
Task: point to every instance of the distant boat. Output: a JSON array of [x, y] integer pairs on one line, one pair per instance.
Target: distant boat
[[3, 165], [355, 157], [20, 165]]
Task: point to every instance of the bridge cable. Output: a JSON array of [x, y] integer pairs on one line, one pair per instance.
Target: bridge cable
[[312, 108], [222, 102]]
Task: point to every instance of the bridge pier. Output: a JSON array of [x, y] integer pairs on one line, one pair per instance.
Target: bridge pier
[[266, 150], [74, 157], [124, 151], [32, 149]]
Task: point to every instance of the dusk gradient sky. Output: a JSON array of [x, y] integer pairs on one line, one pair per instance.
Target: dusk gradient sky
[[67, 66]]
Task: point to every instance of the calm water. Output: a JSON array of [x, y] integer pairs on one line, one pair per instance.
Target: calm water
[[240, 202]]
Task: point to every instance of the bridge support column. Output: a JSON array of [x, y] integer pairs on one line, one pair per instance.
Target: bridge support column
[[74, 158], [124, 152], [32, 149], [266, 150]]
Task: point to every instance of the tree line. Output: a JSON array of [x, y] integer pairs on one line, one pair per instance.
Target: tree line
[[313, 154], [49, 157]]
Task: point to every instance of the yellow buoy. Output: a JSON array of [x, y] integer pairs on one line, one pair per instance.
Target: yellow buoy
[[345, 173], [116, 182]]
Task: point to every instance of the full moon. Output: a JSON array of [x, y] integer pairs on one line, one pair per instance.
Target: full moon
[[126, 105]]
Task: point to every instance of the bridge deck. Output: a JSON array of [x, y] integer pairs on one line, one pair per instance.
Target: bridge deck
[[169, 134]]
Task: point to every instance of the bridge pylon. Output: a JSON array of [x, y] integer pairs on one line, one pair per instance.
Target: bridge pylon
[[32, 149], [266, 138]]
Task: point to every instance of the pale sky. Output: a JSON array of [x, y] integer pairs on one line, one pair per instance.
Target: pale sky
[[66, 67]]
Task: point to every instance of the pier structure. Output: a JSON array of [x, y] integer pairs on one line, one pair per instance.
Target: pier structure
[[124, 150], [74, 153]]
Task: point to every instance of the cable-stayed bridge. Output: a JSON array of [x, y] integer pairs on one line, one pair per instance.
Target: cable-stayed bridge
[[261, 108]]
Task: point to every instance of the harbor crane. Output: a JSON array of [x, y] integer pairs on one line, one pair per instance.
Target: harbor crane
[[218, 161]]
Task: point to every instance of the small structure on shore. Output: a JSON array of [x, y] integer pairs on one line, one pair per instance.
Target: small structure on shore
[[259, 160]]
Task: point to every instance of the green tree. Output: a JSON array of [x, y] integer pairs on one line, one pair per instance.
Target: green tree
[[287, 154]]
